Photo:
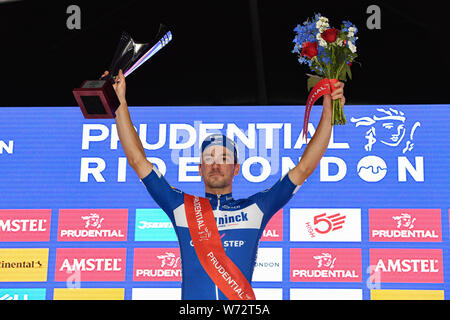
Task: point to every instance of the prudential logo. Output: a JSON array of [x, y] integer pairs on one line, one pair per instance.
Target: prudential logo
[[93, 225], [405, 225], [389, 129]]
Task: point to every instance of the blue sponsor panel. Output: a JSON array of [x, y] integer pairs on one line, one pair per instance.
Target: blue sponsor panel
[[382, 152], [153, 225]]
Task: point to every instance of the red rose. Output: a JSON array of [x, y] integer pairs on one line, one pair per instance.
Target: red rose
[[310, 49], [330, 35]]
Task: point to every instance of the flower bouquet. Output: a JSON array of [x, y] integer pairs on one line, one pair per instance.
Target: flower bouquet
[[329, 53]]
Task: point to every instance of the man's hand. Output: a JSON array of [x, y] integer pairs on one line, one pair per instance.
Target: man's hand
[[119, 86], [337, 94]]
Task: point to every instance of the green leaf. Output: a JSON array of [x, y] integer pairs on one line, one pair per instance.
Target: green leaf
[[343, 74], [312, 81]]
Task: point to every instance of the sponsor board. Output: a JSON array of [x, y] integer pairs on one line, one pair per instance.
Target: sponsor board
[[23, 265], [87, 264], [89, 294], [400, 169], [274, 228], [329, 225], [92, 225], [406, 265], [153, 225], [22, 294], [25, 225], [326, 294], [405, 225], [325, 265], [157, 264], [269, 265], [406, 294]]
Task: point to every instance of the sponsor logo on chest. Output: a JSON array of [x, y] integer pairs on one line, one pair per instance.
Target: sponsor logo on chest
[[231, 219]]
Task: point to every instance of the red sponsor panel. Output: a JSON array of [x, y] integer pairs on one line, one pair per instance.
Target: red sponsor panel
[[406, 265], [157, 264], [25, 225], [93, 225], [87, 264], [405, 225], [274, 229], [325, 265]]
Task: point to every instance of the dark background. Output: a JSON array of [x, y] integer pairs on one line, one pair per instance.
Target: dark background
[[222, 52]]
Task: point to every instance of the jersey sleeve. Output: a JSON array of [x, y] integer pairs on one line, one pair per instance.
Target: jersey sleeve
[[167, 197], [274, 198]]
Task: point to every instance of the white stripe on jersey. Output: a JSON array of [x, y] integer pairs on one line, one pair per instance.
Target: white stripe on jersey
[[245, 218]]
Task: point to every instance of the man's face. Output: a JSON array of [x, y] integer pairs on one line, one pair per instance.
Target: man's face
[[217, 167]]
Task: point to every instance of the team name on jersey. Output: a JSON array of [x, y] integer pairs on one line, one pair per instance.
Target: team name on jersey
[[226, 219]]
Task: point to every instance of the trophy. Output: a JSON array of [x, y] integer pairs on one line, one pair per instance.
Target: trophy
[[97, 98]]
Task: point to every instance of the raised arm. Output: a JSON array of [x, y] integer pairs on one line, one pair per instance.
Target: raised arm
[[319, 142], [128, 136]]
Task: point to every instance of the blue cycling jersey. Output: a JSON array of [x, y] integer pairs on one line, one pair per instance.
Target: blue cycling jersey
[[240, 223]]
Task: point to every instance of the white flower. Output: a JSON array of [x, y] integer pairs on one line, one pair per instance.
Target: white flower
[[340, 42], [322, 24], [320, 40], [319, 24], [351, 32], [322, 43], [351, 46]]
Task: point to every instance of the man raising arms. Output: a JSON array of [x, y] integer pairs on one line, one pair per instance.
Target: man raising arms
[[240, 223]]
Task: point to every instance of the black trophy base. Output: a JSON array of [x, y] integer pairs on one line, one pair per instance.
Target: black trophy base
[[97, 99]]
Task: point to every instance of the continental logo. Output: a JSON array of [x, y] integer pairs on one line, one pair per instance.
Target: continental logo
[[23, 265], [407, 295], [89, 294]]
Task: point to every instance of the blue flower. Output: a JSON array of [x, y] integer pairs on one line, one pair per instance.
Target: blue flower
[[307, 32]]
